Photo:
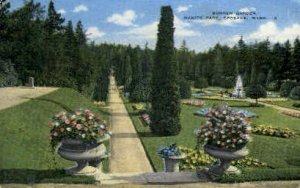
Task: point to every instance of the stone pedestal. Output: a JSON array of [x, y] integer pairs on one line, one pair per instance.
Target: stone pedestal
[[87, 156], [171, 164], [225, 156], [31, 82]]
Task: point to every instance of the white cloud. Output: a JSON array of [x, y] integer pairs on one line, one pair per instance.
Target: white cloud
[[149, 31], [230, 19], [94, 33], [183, 29], [80, 8], [183, 8], [270, 30], [146, 31], [125, 19], [275, 34], [62, 11]]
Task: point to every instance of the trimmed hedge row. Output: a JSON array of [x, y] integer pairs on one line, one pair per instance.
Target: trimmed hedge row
[[262, 175]]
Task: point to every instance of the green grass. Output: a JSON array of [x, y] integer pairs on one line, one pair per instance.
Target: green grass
[[279, 153], [24, 131], [287, 104]]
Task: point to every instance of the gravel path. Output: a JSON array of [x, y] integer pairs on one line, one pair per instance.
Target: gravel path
[[11, 96], [127, 152]]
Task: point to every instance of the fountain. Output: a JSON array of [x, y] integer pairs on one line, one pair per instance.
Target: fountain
[[238, 91]]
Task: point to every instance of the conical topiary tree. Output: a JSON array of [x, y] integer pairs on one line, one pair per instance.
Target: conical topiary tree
[[165, 91]]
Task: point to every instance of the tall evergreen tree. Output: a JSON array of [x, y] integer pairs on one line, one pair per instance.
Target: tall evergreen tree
[[165, 92], [296, 60]]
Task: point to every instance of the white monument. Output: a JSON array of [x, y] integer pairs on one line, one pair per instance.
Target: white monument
[[238, 91]]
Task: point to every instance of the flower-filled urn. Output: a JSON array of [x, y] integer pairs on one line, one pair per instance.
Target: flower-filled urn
[[224, 136], [78, 136]]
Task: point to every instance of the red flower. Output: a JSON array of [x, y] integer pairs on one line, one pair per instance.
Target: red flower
[[62, 129], [49, 138]]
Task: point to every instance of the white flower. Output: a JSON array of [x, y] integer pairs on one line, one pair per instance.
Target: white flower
[[55, 134], [56, 124], [218, 142], [102, 126], [90, 117], [69, 128], [83, 135], [73, 116]]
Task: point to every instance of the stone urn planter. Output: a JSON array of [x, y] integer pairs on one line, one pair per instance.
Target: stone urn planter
[[171, 163], [87, 156], [225, 156]]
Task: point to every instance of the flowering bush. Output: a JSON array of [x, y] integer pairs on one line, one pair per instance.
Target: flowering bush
[[273, 131], [169, 151], [81, 124], [225, 128], [146, 118]]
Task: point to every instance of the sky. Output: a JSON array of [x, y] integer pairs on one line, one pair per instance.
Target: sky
[[201, 23]]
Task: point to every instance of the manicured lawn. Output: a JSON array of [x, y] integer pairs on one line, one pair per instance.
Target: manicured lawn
[[287, 104], [279, 153], [24, 131]]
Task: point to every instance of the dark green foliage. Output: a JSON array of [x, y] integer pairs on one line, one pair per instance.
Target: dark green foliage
[[256, 91], [142, 91], [262, 175], [295, 93], [273, 86], [201, 83], [297, 105], [296, 60], [8, 75], [184, 89], [165, 91], [286, 88]]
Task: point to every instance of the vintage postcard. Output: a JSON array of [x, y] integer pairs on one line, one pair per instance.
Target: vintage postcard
[[150, 93]]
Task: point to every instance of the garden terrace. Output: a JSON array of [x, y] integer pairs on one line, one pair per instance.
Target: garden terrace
[[280, 154]]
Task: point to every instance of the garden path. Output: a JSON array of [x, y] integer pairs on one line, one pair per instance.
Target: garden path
[[127, 152], [11, 96]]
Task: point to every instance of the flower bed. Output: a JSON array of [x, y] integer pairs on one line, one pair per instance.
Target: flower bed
[[146, 118], [197, 103], [82, 125], [273, 131], [246, 113], [196, 159], [138, 106], [291, 113]]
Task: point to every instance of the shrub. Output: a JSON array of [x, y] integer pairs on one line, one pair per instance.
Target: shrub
[[141, 92], [201, 83], [273, 86], [8, 75], [184, 89], [297, 105], [262, 175], [256, 91], [295, 93], [286, 88]]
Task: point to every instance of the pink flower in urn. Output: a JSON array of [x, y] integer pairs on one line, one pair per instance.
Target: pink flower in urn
[[78, 126]]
